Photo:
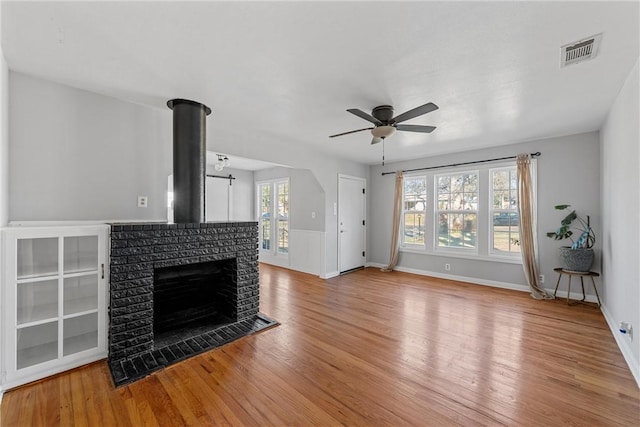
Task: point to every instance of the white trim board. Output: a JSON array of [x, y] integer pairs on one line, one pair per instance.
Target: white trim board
[[476, 281], [85, 222], [330, 275], [623, 344]]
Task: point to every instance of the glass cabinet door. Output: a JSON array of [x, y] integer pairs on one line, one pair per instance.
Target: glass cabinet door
[[57, 283], [80, 291], [36, 301]]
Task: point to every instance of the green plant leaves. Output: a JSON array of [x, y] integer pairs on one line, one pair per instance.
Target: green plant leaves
[[569, 218]]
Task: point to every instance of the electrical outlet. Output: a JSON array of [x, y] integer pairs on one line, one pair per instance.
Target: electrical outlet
[[447, 267], [541, 278], [142, 201]]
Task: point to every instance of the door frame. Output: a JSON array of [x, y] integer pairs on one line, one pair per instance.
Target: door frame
[[365, 212]]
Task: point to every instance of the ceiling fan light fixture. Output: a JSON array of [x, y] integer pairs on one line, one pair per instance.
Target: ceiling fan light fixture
[[221, 162], [384, 131]]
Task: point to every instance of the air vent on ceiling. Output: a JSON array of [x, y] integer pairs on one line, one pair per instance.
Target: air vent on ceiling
[[579, 51]]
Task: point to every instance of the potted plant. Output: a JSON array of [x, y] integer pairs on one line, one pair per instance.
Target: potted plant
[[578, 256]]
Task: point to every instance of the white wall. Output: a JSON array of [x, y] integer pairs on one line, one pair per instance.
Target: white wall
[[4, 140], [77, 155], [620, 157], [568, 172], [4, 169]]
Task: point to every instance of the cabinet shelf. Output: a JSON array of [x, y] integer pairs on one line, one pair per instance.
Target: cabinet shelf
[[37, 354], [79, 343], [36, 322], [79, 314], [29, 278], [80, 273]]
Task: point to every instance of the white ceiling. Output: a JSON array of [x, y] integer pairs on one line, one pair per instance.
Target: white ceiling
[[287, 71]]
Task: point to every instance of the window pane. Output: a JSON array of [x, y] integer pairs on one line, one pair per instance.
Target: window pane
[[444, 185], [266, 234], [500, 180], [414, 212], [283, 217], [414, 228], [457, 230], [506, 232], [265, 216], [505, 224], [457, 193]]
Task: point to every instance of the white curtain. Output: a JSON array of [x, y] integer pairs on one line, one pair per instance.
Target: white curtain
[[526, 211], [395, 232]]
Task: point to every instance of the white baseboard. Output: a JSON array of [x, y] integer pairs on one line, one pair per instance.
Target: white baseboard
[[623, 344], [330, 275], [476, 281]]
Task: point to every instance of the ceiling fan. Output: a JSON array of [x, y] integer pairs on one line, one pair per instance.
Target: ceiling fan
[[386, 125]]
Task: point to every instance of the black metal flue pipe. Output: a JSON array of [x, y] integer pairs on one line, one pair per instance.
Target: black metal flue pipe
[[189, 159]]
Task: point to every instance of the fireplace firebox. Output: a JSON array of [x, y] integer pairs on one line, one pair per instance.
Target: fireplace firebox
[[191, 299]]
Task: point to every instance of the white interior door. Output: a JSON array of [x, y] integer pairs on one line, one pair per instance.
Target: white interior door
[[218, 199], [351, 222]]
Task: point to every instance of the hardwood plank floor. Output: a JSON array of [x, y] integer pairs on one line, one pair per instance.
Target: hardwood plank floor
[[369, 348]]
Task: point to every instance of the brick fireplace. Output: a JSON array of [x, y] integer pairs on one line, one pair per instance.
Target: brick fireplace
[[203, 276]]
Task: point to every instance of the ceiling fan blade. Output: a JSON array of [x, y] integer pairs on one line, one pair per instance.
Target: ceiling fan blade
[[416, 128], [418, 111], [376, 140], [347, 133], [365, 116]]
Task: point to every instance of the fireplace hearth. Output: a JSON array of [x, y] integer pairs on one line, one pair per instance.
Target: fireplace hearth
[[177, 290]]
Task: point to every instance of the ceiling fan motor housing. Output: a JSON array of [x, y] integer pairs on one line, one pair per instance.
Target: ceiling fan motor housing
[[384, 113]]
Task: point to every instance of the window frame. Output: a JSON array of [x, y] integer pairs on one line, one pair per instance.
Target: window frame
[[402, 242], [438, 212], [492, 210], [482, 251], [274, 229]]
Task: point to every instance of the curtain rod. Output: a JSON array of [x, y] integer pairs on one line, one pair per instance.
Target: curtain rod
[[536, 154]]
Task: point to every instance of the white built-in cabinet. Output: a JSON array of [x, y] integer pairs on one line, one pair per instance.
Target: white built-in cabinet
[[54, 297]]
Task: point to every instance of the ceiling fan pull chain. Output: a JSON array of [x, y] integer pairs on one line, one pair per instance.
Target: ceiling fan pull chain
[[382, 151]]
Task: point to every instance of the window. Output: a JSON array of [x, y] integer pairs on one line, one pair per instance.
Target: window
[[505, 223], [457, 210], [264, 215], [283, 216], [414, 210], [273, 216]]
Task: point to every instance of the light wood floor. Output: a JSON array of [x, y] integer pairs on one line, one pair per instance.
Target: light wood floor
[[369, 348]]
